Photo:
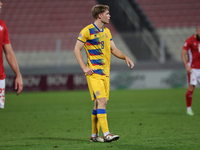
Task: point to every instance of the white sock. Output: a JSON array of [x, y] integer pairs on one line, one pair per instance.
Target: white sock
[[106, 133], [95, 135], [1, 104], [189, 108]]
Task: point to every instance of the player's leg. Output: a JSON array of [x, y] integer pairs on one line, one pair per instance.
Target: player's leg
[[95, 127], [192, 81], [189, 95], [2, 93], [101, 111], [99, 90], [101, 115], [102, 118], [95, 124]]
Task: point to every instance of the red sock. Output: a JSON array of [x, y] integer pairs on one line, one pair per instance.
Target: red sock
[[189, 98]]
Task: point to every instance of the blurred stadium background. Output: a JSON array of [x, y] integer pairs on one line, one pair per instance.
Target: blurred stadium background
[[151, 32]]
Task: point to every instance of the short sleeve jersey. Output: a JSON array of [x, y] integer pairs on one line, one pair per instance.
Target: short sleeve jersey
[[97, 46], [4, 39], [192, 46]]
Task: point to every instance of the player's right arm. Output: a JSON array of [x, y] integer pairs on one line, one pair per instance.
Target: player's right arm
[[77, 51], [184, 59], [12, 61], [184, 53]]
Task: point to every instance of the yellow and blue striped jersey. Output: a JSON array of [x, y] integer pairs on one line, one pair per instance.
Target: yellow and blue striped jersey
[[97, 46]]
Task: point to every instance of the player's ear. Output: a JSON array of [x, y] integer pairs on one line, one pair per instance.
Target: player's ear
[[99, 16]]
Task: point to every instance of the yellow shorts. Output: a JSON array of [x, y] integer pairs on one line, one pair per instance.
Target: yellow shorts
[[99, 86]]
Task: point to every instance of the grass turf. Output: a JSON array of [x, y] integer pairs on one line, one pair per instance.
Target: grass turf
[[144, 119]]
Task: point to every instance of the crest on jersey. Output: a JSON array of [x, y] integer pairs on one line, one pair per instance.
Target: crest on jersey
[[80, 35], [106, 35], [97, 93]]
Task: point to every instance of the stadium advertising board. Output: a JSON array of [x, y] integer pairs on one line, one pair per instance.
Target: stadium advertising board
[[148, 79], [49, 82], [118, 80]]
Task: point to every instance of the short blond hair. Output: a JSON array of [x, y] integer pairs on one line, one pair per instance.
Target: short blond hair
[[98, 9]]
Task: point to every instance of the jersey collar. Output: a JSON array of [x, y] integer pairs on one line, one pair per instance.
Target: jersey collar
[[98, 28]]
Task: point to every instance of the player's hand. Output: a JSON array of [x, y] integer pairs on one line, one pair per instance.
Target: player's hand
[[188, 69], [129, 63], [88, 71], [18, 84]]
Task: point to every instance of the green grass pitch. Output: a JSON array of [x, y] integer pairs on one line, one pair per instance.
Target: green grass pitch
[[145, 120]]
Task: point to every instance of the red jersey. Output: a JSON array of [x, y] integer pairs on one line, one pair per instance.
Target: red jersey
[[193, 47], [4, 39]]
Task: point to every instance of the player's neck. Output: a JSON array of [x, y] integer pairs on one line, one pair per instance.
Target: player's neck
[[99, 24]]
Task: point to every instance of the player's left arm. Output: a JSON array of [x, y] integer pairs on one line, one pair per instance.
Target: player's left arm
[[12, 61], [117, 53]]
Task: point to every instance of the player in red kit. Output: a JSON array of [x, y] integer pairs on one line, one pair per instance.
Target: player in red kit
[[12, 61], [192, 65]]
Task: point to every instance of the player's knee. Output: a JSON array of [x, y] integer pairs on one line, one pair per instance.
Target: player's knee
[[105, 102], [191, 87], [102, 101]]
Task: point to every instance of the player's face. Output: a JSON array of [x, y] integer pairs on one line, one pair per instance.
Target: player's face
[[0, 6], [105, 17], [198, 31]]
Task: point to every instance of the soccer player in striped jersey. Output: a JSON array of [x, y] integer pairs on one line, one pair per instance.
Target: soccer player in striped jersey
[[10, 56], [98, 43], [192, 65]]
